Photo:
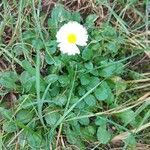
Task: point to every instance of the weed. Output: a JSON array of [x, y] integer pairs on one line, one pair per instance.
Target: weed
[[91, 100]]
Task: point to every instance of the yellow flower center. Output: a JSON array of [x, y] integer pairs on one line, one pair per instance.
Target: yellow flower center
[[72, 38]]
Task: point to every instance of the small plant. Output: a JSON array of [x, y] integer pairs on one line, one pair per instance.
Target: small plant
[[71, 90]]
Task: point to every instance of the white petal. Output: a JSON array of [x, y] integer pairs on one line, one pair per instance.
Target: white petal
[[72, 28], [82, 36], [70, 49], [62, 34], [82, 40]]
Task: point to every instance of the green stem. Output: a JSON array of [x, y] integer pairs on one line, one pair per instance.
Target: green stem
[[38, 87]]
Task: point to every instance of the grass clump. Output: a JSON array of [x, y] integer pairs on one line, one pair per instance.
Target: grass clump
[[93, 100]]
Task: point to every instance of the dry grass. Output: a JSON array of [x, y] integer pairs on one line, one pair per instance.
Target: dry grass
[[134, 37]]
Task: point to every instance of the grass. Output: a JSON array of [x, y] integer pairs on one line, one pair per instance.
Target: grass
[[93, 100]]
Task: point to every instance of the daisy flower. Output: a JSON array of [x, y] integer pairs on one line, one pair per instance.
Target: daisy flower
[[69, 36]]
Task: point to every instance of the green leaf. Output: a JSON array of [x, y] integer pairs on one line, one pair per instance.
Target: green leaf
[[21, 49], [51, 46], [127, 116], [102, 92], [103, 135], [75, 100], [81, 91], [75, 16], [48, 59], [107, 71], [28, 67], [51, 78], [5, 113], [73, 138], [9, 127], [52, 117], [84, 121], [100, 121], [88, 65], [110, 99], [89, 22], [91, 130], [59, 14], [108, 32], [87, 54], [111, 69], [80, 105], [24, 116], [112, 47], [74, 124], [60, 100], [90, 100], [34, 140], [64, 80], [88, 133], [8, 79], [26, 81], [130, 140], [85, 79], [55, 90], [93, 82], [38, 44], [29, 35]]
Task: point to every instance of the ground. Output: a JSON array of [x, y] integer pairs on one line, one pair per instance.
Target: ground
[[98, 99]]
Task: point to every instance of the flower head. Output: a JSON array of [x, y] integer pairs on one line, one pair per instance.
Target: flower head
[[69, 36]]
